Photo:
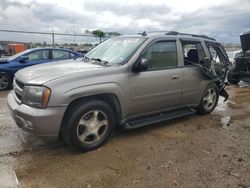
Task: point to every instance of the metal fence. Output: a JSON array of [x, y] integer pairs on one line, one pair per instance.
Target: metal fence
[[56, 37]]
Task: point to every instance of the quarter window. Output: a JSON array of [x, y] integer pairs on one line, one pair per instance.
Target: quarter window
[[161, 55], [72, 55]]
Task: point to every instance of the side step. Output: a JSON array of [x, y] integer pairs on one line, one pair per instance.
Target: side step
[[133, 124]]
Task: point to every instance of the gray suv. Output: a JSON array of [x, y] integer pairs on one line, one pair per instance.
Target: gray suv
[[125, 82]]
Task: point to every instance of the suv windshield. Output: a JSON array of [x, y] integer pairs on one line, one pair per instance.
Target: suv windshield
[[116, 50]]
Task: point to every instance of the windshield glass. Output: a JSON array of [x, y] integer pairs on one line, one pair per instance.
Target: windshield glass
[[18, 55], [116, 50]]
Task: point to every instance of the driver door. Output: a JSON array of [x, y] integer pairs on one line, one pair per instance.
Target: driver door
[[160, 86]]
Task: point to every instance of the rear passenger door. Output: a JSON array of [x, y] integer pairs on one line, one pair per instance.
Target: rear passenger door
[[159, 87], [194, 80]]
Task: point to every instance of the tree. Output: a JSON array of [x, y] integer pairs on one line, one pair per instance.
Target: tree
[[44, 43], [88, 32], [113, 34], [99, 33]]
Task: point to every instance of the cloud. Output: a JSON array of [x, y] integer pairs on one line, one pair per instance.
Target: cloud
[[224, 20], [132, 10]]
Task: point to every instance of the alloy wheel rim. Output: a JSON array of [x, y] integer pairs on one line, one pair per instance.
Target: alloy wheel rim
[[4, 81], [92, 127], [209, 99]]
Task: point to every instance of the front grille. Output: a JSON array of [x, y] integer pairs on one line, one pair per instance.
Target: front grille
[[18, 96], [20, 84], [18, 90]]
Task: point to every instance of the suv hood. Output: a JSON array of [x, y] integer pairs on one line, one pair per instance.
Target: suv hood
[[40, 74]]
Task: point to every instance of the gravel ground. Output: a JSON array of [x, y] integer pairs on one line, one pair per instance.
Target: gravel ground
[[195, 151]]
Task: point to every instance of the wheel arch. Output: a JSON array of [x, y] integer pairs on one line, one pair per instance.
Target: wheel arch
[[110, 98], [214, 83]]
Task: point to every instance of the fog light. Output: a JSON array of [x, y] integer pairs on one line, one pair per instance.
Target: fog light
[[19, 122], [29, 124], [24, 123]]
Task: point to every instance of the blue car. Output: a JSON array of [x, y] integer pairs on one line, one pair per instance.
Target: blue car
[[10, 65]]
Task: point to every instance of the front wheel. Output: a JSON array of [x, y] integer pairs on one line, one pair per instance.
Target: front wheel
[[209, 99], [5, 81], [88, 125]]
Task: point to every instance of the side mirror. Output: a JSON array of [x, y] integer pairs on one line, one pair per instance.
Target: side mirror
[[23, 59], [141, 66]]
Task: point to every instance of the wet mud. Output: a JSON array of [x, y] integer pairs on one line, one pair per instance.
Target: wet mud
[[195, 151]]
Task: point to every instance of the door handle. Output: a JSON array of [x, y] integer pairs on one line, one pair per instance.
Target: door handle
[[174, 77]]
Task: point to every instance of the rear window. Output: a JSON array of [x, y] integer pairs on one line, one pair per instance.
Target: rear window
[[60, 54]]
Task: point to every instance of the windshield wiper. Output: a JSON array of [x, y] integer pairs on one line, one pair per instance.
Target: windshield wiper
[[85, 57], [100, 62]]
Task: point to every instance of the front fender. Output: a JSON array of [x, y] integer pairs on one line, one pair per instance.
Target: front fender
[[85, 91]]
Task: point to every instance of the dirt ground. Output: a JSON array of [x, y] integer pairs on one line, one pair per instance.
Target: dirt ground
[[196, 151]]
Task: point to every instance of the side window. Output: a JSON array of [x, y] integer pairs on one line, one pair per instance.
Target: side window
[[60, 54], [39, 55], [161, 55], [193, 52]]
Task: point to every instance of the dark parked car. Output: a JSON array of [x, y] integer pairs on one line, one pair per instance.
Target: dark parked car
[[10, 65], [241, 68]]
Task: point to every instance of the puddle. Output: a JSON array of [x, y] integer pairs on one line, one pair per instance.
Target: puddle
[[222, 106], [8, 177], [244, 84], [225, 121]]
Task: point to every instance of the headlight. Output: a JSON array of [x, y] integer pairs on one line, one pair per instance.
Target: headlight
[[36, 96]]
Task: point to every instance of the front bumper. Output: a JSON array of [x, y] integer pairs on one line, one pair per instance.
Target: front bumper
[[41, 122]]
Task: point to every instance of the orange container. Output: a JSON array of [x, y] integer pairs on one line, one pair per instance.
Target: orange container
[[13, 49]]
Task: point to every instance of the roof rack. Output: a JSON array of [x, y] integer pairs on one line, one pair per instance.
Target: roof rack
[[144, 33], [193, 35]]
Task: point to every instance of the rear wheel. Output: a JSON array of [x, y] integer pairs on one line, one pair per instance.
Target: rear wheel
[[89, 125], [209, 99], [5, 81]]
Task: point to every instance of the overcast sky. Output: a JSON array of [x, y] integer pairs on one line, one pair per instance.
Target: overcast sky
[[222, 19]]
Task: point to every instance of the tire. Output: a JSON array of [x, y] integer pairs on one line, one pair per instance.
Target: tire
[[5, 81], [232, 79], [88, 125], [209, 99]]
